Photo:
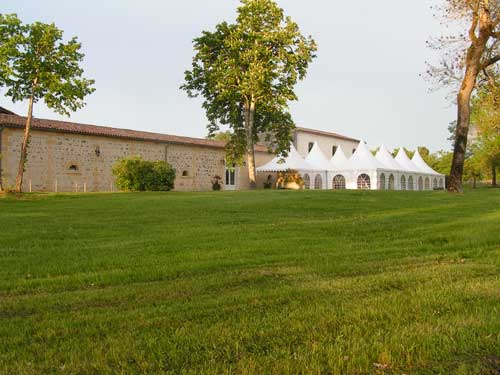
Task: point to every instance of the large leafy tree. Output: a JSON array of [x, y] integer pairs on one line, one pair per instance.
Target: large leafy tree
[[468, 56], [246, 73], [35, 64]]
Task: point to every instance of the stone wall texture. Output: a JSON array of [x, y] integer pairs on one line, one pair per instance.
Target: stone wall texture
[[70, 162]]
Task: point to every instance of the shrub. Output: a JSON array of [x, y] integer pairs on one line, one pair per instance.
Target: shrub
[[136, 174], [290, 180]]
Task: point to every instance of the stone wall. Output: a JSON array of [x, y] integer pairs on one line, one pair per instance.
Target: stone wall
[[70, 162]]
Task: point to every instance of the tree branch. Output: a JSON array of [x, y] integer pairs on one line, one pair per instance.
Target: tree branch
[[490, 61]]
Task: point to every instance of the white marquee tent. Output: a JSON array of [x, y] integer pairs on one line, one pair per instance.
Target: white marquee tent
[[360, 171]]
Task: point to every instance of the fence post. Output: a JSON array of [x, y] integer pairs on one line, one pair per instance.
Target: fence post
[[30, 186], [84, 187], [55, 186]]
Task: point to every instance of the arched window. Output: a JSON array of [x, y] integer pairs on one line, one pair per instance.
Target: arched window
[[410, 183], [185, 173], [318, 182], [307, 181], [339, 182], [420, 183], [73, 168], [427, 184], [403, 182], [435, 183], [391, 182], [441, 183], [310, 146], [364, 181], [382, 182]]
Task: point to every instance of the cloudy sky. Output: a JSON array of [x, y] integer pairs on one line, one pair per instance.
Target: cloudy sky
[[365, 82]]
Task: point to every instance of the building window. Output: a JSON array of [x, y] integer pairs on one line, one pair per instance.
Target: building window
[[391, 182], [435, 183], [403, 182], [310, 146], [185, 174], [338, 182], [73, 168], [353, 150], [410, 183], [318, 182], [364, 182], [382, 181], [231, 176], [307, 181], [427, 184], [420, 183], [334, 150]]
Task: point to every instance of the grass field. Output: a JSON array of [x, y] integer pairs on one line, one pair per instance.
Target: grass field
[[251, 283]]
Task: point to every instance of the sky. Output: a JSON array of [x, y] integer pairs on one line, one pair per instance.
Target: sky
[[364, 83]]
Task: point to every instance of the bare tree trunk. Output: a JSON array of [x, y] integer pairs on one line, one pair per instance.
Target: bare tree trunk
[[474, 182], [249, 123], [463, 118], [494, 175], [24, 148], [473, 67]]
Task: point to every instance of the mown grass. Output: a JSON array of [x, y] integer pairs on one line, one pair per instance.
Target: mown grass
[[250, 283]]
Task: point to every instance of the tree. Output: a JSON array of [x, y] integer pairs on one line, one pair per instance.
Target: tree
[[224, 136], [486, 117], [36, 65], [440, 161], [246, 73], [468, 57]]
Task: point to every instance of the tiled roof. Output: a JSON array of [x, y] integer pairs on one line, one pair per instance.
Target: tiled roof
[[329, 134], [6, 111], [104, 131]]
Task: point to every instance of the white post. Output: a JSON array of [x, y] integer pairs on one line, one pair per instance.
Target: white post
[[30, 186], [84, 187]]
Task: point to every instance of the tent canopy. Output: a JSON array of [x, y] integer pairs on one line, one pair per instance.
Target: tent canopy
[[422, 165], [338, 159], [362, 159], [317, 159], [384, 156], [293, 162], [403, 159]]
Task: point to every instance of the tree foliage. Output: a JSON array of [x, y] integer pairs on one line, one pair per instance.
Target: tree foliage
[[486, 118], [246, 73], [36, 64], [136, 174]]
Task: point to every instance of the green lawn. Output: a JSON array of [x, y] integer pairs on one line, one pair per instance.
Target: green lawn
[[251, 283]]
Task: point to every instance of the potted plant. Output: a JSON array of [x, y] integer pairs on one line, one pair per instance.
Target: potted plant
[[216, 185]]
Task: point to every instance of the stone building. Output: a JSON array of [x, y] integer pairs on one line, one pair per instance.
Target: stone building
[[65, 156]]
